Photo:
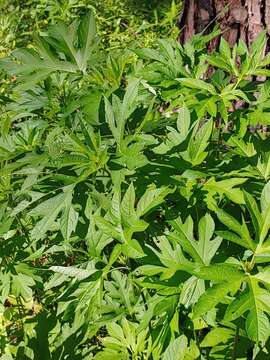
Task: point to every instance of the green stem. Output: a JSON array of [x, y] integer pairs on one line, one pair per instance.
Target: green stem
[[235, 343]]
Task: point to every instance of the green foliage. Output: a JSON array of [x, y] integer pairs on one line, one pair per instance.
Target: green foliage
[[134, 203], [121, 23]]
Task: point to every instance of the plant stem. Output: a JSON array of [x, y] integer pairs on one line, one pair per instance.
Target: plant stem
[[235, 343]]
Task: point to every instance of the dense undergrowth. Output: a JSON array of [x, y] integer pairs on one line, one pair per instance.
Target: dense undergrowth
[[121, 23], [135, 200]]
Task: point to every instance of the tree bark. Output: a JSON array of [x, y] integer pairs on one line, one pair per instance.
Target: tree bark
[[238, 19]]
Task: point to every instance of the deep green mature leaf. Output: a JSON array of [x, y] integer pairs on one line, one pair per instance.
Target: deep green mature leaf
[[130, 98], [110, 118], [263, 165], [226, 187], [63, 39], [133, 249], [73, 271], [49, 210], [34, 69], [198, 84], [87, 39], [257, 323], [254, 213], [192, 289], [171, 257], [69, 218], [256, 303], [128, 203], [263, 276], [5, 279], [202, 250], [207, 248], [152, 198], [256, 52], [238, 307], [219, 62], [216, 336], [22, 285], [149, 54], [218, 272], [109, 229], [183, 121], [225, 49], [174, 137], [244, 239], [265, 208], [195, 154], [242, 148], [213, 296]]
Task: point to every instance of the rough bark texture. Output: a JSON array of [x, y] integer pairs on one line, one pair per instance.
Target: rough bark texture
[[237, 18]]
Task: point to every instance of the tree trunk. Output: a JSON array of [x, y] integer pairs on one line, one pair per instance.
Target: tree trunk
[[238, 19]]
